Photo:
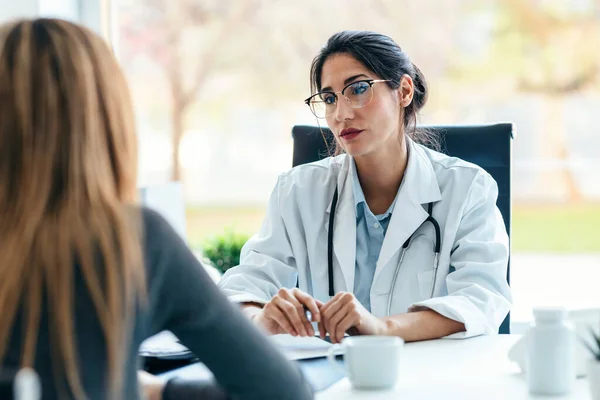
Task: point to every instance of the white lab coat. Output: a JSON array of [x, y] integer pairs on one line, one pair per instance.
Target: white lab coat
[[292, 242]]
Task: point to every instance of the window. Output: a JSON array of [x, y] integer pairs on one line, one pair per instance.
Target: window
[[218, 85]]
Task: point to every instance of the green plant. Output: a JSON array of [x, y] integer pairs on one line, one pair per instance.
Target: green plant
[[223, 250], [595, 347]]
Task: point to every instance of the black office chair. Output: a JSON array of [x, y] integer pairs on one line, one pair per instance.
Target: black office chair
[[488, 146]]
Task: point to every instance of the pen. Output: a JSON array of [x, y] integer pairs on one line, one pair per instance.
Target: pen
[[352, 331], [307, 313]]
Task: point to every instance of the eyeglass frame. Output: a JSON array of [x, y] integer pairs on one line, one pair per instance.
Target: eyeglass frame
[[369, 81]]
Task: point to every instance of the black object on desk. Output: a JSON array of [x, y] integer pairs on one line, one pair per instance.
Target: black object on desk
[[158, 365], [163, 352]]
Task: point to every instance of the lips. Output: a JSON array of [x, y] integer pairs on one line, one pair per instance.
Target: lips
[[349, 133]]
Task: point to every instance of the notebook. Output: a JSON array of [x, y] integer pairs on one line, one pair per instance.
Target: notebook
[[165, 345], [303, 348]]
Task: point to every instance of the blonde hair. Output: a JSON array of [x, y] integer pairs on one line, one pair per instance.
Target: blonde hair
[[67, 170]]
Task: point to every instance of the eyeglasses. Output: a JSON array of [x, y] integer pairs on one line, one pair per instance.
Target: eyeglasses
[[358, 94]]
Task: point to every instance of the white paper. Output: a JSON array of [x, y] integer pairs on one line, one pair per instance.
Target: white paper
[[164, 345], [301, 348], [195, 372]]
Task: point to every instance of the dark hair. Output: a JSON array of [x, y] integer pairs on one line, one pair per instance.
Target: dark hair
[[381, 55]]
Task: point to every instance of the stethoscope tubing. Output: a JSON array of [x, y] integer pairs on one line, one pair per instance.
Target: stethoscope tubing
[[406, 244]]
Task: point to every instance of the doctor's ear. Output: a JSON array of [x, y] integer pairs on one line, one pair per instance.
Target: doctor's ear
[[406, 91]]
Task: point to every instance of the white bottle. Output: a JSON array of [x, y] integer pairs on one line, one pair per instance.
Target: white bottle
[[550, 353], [27, 385]]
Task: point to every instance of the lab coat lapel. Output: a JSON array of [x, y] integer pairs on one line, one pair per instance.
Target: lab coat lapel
[[344, 227], [418, 187]]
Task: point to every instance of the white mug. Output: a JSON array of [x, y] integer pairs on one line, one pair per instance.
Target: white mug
[[371, 362]]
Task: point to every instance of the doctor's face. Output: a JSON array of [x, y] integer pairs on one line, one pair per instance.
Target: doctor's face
[[367, 117]]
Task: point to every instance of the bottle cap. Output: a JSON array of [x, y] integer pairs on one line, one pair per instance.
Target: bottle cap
[[27, 385], [549, 313]]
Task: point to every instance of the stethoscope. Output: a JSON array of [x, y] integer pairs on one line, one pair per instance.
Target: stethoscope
[[436, 250]]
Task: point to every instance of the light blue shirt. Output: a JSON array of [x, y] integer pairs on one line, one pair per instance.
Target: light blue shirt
[[370, 231]]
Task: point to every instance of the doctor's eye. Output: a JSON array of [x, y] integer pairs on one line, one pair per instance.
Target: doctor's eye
[[328, 98], [359, 88]]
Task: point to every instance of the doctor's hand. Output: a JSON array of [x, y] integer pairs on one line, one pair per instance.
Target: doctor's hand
[[343, 312], [285, 313]]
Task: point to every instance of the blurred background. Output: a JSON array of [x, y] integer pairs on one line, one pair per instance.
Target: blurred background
[[218, 85]]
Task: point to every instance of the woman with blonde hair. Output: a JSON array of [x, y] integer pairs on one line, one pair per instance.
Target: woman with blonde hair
[[85, 275]]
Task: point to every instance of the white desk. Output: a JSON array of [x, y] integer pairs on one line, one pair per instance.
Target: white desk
[[477, 368]]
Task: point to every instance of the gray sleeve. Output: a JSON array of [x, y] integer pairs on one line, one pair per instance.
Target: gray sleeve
[[183, 389], [184, 300]]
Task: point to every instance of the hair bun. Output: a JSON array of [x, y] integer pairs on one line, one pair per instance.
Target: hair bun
[[420, 92]]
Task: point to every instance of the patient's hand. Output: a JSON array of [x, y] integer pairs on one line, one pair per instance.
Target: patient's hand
[[151, 386]]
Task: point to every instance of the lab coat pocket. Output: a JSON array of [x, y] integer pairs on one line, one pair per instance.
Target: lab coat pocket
[[418, 264], [425, 279]]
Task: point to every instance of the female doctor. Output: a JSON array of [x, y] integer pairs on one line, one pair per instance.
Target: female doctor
[[386, 238]]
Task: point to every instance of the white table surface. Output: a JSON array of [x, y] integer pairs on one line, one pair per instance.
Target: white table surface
[[476, 368]]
